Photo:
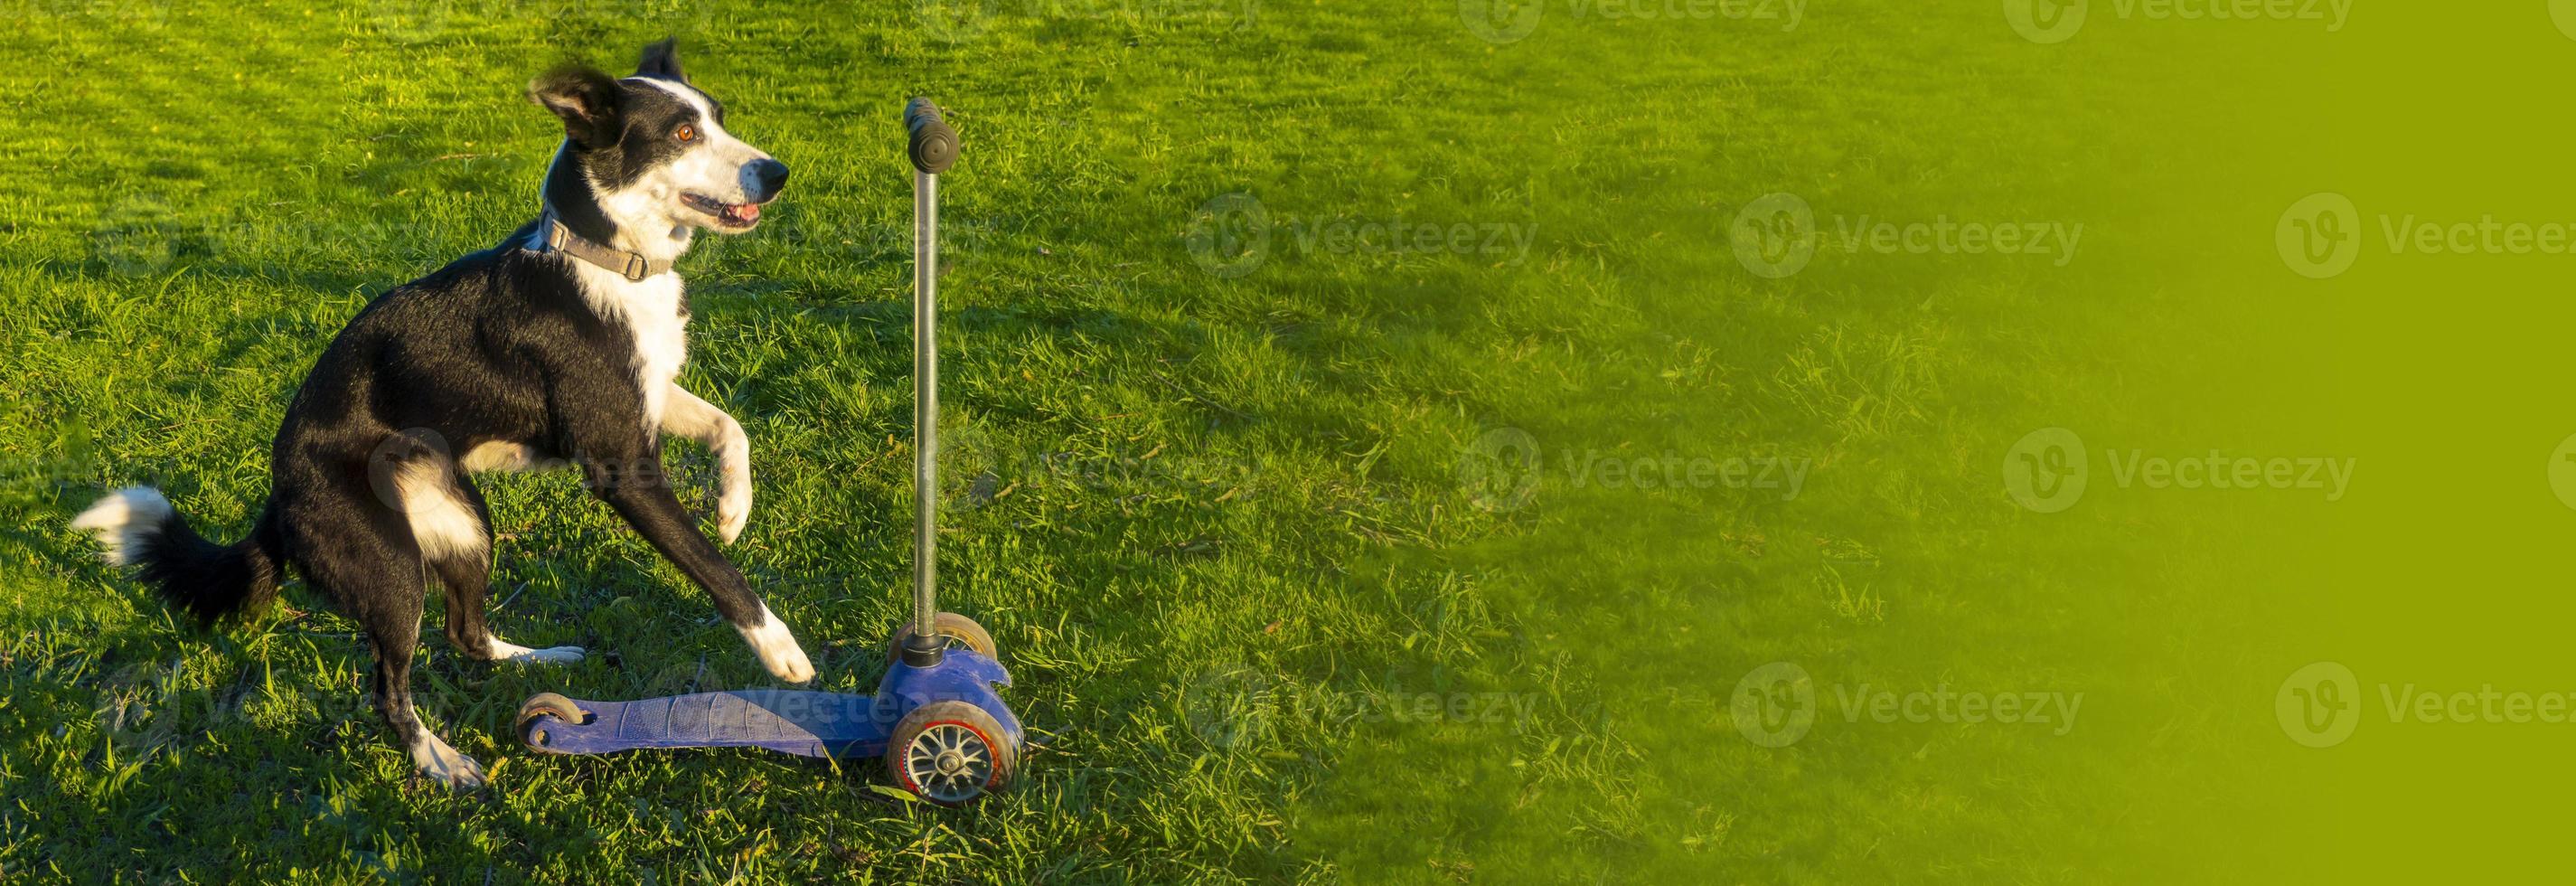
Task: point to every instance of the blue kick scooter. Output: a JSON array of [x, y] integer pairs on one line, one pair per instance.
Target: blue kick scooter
[[944, 734]]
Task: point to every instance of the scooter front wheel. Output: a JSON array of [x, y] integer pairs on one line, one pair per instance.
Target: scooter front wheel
[[950, 753]]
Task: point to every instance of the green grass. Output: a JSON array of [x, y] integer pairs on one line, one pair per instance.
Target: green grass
[[1225, 527]]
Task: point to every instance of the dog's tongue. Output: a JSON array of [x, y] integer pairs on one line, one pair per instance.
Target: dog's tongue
[[745, 213]]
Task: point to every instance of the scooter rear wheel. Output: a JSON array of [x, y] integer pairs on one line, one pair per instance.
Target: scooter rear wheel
[[532, 730]]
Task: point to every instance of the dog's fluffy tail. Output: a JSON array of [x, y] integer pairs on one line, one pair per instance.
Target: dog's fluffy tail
[[208, 580]]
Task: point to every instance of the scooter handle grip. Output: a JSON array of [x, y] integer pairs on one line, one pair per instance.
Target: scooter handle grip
[[934, 145]]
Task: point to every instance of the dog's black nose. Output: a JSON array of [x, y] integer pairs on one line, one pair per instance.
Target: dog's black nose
[[770, 176]]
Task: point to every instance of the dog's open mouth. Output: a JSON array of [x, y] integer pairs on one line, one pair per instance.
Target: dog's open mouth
[[728, 215]]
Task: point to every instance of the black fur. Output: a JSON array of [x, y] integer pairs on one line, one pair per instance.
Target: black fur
[[614, 131], [500, 346], [661, 59], [207, 580]]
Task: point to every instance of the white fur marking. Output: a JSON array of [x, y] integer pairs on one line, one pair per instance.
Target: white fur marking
[[694, 418], [778, 649], [651, 312], [443, 764], [733, 506], [443, 525], [718, 154], [497, 456], [503, 650], [123, 519]]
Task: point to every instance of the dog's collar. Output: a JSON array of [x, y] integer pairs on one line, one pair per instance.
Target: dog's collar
[[631, 265]]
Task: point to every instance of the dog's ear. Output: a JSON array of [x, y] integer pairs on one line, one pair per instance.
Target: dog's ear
[[586, 100], [662, 60]]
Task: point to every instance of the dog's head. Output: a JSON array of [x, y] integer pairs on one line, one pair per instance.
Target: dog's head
[[654, 148]]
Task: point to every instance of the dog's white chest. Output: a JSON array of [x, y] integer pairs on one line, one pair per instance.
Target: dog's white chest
[[651, 311]]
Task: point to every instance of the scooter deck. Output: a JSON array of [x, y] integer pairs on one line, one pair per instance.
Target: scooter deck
[[805, 723]]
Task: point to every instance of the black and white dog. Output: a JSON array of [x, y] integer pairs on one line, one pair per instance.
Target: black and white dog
[[559, 346]]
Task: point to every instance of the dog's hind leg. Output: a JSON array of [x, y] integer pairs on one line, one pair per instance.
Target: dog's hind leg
[[466, 582], [365, 566], [395, 640], [467, 576]]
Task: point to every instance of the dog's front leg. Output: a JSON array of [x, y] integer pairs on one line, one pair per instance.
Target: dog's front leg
[[694, 418], [632, 482], [621, 462]]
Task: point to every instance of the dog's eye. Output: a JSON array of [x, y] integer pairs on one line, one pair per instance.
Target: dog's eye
[[686, 133]]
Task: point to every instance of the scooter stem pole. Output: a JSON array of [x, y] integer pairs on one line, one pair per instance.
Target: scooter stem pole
[[925, 404], [931, 146]]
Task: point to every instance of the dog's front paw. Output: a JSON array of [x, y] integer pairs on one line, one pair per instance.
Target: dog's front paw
[[732, 511], [440, 763], [733, 486], [791, 667], [778, 650]]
